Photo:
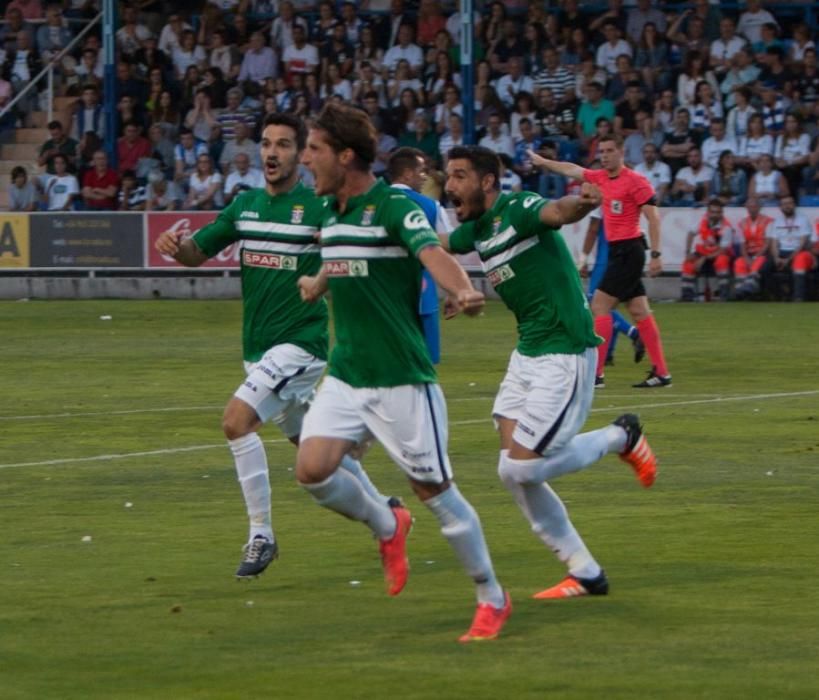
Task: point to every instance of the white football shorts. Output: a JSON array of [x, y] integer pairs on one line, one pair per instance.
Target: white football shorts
[[410, 421], [549, 396], [280, 386]]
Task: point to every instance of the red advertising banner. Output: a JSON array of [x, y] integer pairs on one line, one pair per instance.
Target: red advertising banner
[[187, 222]]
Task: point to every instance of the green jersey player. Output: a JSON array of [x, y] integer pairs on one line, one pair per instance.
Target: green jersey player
[[382, 383], [284, 340], [547, 392]]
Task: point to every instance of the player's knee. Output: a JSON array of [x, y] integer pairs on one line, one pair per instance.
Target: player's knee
[[313, 465], [511, 471], [232, 428]]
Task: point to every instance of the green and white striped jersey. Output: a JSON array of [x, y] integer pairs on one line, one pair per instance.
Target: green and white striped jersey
[[369, 253], [532, 270], [277, 235]]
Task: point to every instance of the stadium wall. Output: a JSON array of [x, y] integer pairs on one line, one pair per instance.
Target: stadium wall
[[71, 255]]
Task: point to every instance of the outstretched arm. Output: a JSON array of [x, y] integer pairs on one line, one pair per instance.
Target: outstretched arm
[[452, 278], [185, 251], [561, 167]]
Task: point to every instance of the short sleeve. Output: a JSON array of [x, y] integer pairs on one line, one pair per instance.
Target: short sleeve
[[594, 176], [642, 190], [219, 234], [405, 221], [524, 213]]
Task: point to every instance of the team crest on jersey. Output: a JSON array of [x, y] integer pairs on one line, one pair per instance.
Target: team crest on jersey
[[500, 274], [496, 224], [346, 268], [297, 214], [368, 215]]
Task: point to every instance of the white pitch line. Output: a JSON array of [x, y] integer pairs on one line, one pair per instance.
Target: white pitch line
[[114, 413], [473, 421]]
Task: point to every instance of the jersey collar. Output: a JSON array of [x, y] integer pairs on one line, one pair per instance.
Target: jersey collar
[[354, 202]]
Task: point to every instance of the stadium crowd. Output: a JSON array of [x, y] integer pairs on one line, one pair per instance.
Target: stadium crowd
[[711, 102]]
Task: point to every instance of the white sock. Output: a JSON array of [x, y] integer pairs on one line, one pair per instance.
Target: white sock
[[251, 468], [549, 520], [583, 450], [354, 467], [462, 528], [344, 494]]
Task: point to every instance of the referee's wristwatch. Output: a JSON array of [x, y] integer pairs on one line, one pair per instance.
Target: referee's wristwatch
[[655, 254]]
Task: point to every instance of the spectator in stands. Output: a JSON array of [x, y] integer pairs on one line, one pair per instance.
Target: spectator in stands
[[324, 23], [352, 24], [642, 15], [53, 36], [335, 84], [450, 106], [655, 171], [453, 137], [88, 114], [300, 57], [89, 144], [259, 63], [216, 145], [603, 129], [755, 144], [726, 47], [706, 109], [790, 234], [215, 83], [21, 65], [281, 31], [535, 41], [186, 154], [405, 49], [752, 20], [132, 196], [652, 59], [729, 184], [775, 72], [166, 115], [14, 25], [792, 152], [162, 149], [337, 50], [742, 74], [679, 141], [132, 146], [553, 76], [130, 86], [575, 48], [242, 143], [444, 75], [510, 44], [430, 22], [233, 114], [773, 109], [201, 118], [100, 185], [513, 82], [709, 251], [768, 184], [522, 161], [625, 114], [692, 184], [524, 108], [717, 142], [422, 136], [493, 24], [635, 142], [664, 112], [402, 81], [29, 9], [495, 140], [379, 117], [60, 189], [693, 73], [225, 57], [188, 54], [161, 194], [593, 107], [367, 50], [131, 35], [170, 38], [736, 123], [553, 121], [148, 57], [58, 144], [242, 177], [613, 47], [22, 192], [8, 120], [806, 83], [87, 72], [204, 186], [509, 179]]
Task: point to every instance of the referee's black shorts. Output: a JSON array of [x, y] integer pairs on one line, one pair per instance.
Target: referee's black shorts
[[623, 278]]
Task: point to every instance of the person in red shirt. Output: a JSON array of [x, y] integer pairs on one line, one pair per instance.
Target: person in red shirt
[[626, 195], [100, 184], [753, 258], [709, 250], [131, 147]]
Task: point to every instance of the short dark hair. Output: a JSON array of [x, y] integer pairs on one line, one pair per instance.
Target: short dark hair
[[401, 160], [483, 160], [616, 138], [349, 127], [715, 202], [18, 170], [289, 120], [55, 124]]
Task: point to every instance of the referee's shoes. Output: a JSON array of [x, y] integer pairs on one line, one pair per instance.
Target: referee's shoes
[[653, 380]]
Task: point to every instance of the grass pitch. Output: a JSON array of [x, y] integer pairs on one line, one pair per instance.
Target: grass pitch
[[713, 570]]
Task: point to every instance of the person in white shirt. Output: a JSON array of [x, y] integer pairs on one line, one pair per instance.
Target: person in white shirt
[[241, 144], [790, 235], [717, 142], [242, 178], [170, 38], [61, 189], [453, 137], [655, 171], [281, 31], [693, 182], [751, 21], [405, 49], [496, 140], [613, 47], [726, 47], [130, 37], [509, 85], [792, 152], [300, 57], [768, 184], [755, 144], [204, 186]]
